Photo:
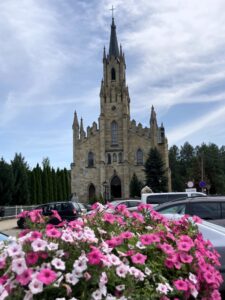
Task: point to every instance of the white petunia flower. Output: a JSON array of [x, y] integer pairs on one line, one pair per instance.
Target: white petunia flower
[[70, 278], [36, 286], [148, 271], [97, 295], [120, 287], [19, 265], [52, 246], [58, 264], [39, 245]]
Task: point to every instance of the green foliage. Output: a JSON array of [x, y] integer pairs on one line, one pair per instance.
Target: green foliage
[[135, 186], [205, 162], [155, 172], [6, 183], [21, 193]]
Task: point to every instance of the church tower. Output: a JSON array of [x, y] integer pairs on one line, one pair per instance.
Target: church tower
[[106, 156]]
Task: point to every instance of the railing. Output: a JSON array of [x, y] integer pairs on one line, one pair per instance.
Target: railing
[[7, 212]]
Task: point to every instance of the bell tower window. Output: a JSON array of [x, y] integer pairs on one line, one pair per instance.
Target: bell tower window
[[113, 74], [114, 133], [90, 159]]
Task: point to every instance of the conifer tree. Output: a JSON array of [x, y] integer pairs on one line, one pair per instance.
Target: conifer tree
[[155, 172], [6, 183], [135, 186], [54, 182], [59, 185], [21, 184], [38, 175]]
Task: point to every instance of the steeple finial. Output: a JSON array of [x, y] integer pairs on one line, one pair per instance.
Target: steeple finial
[[82, 132], [75, 121], [113, 45], [112, 9]]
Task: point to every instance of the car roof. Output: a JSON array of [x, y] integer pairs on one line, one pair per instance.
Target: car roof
[[125, 200], [193, 199]]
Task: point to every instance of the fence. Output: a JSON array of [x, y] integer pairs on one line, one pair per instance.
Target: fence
[[7, 212]]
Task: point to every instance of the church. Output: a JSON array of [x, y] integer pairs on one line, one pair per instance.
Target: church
[[107, 154]]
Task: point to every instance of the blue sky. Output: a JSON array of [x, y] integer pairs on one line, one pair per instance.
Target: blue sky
[[51, 65]]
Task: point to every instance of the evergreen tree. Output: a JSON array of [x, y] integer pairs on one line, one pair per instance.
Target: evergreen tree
[[135, 186], [67, 183], [178, 182], [21, 185], [155, 172], [59, 185], [54, 182], [6, 183], [38, 176], [32, 187]]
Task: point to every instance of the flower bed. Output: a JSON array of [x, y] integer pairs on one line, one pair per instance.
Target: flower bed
[[124, 255]]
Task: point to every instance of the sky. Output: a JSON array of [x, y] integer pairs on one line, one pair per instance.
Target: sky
[[51, 65]]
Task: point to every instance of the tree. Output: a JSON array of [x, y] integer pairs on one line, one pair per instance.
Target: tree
[[155, 171], [21, 186], [6, 183], [38, 175], [178, 182], [135, 186]]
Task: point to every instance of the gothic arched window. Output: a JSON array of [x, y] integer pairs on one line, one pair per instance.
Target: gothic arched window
[[114, 133], [120, 157], [90, 159], [139, 157], [113, 74], [109, 159]]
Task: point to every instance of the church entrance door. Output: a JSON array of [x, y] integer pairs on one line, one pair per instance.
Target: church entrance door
[[115, 187], [91, 192]]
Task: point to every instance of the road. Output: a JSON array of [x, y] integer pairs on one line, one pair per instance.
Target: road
[[9, 227]]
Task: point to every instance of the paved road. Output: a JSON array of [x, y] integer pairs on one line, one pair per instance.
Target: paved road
[[9, 227]]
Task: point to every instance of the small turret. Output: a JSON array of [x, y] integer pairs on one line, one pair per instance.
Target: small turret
[[82, 132], [75, 121]]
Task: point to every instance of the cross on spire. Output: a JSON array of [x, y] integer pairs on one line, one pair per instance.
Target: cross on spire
[[112, 9]]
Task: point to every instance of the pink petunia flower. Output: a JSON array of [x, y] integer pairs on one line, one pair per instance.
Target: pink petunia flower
[[95, 257], [19, 265], [31, 258], [139, 258], [53, 233], [126, 235], [25, 277], [47, 276], [181, 285], [39, 245]]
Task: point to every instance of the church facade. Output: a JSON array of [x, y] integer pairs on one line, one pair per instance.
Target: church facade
[[107, 154]]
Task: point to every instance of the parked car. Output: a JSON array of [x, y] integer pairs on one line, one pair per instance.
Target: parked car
[[68, 210], [207, 208], [159, 198], [3, 237], [131, 204]]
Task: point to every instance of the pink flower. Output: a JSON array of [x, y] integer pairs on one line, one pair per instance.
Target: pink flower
[[35, 235], [47, 276], [2, 263], [95, 257], [196, 219], [31, 258], [126, 235], [56, 215], [139, 258], [215, 295], [184, 246], [122, 270], [36, 286], [35, 216], [209, 277], [147, 239], [53, 233], [185, 258], [25, 277], [167, 248], [110, 218], [181, 285], [138, 216]]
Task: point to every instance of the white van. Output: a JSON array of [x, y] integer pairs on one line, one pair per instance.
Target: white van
[[159, 198]]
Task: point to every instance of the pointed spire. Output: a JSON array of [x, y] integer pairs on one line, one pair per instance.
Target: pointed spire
[[153, 115], [82, 132], [121, 52], [75, 121], [104, 54], [113, 45]]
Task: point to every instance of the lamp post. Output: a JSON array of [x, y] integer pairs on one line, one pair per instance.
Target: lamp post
[[105, 185]]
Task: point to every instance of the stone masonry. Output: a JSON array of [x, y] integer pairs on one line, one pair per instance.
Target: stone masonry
[[106, 156]]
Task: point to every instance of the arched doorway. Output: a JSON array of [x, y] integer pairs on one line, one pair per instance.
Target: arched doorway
[[115, 187], [91, 192]]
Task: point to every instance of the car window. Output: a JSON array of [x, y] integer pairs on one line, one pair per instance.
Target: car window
[[65, 206], [223, 209], [133, 203], [155, 199], [176, 196], [206, 210], [174, 209]]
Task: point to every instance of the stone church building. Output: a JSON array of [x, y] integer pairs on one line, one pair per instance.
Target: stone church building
[[106, 156]]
